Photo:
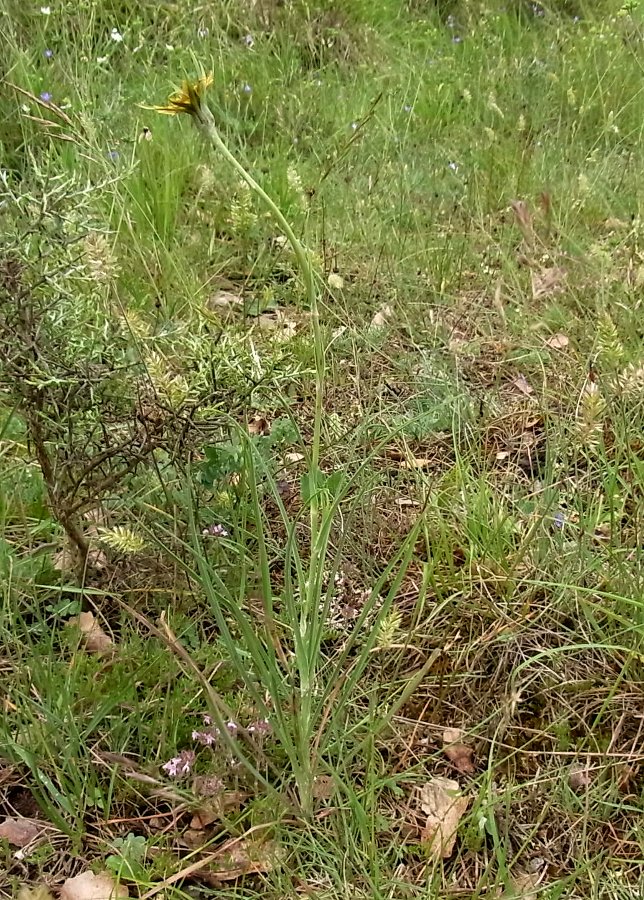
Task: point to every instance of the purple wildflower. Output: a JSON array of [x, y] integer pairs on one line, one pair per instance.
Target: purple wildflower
[[560, 519], [46, 97], [48, 53], [207, 738], [261, 727], [180, 765], [113, 155], [215, 530]]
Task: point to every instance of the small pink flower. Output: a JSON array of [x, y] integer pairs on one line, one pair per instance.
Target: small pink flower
[[207, 738], [262, 727], [180, 765]]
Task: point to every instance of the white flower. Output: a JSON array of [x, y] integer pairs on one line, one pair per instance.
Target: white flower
[[335, 281], [45, 10], [101, 60], [116, 35]]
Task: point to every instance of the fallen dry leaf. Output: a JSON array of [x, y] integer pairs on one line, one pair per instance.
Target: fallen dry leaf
[[20, 831], [548, 281], [613, 224], [293, 457], [216, 806], [194, 838], [245, 858], [34, 892], [88, 886], [65, 559], [444, 805], [204, 817], [259, 425], [224, 300], [558, 341], [459, 754], [524, 885], [579, 778], [97, 558], [277, 322], [323, 787], [522, 385], [94, 638], [382, 317], [416, 462]]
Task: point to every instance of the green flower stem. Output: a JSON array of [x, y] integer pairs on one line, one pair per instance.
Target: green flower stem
[[207, 122], [306, 650]]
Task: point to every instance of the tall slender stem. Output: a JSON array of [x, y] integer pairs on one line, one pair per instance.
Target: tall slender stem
[[307, 658]]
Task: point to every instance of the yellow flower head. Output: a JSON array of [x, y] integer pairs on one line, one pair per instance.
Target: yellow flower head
[[187, 99]]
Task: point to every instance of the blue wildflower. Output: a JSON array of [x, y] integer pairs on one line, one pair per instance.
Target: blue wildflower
[[48, 53], [46, 97]]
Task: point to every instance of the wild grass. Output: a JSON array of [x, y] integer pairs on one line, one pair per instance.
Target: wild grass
[[317, 528]]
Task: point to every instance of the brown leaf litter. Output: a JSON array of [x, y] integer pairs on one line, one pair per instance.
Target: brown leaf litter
[[21, 831], [522, 385], [558, 341], [34, 892], [88, 886], [94, 638], [523, 885], [579, 778], [548, 281], [224, 301], [459, 754], [245, 857], [444, 805], [383, 316]]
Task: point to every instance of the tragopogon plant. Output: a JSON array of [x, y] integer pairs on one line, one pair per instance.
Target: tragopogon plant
[[190, 101]]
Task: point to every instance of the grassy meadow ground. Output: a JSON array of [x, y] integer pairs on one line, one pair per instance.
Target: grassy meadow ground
[[273, 567]]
